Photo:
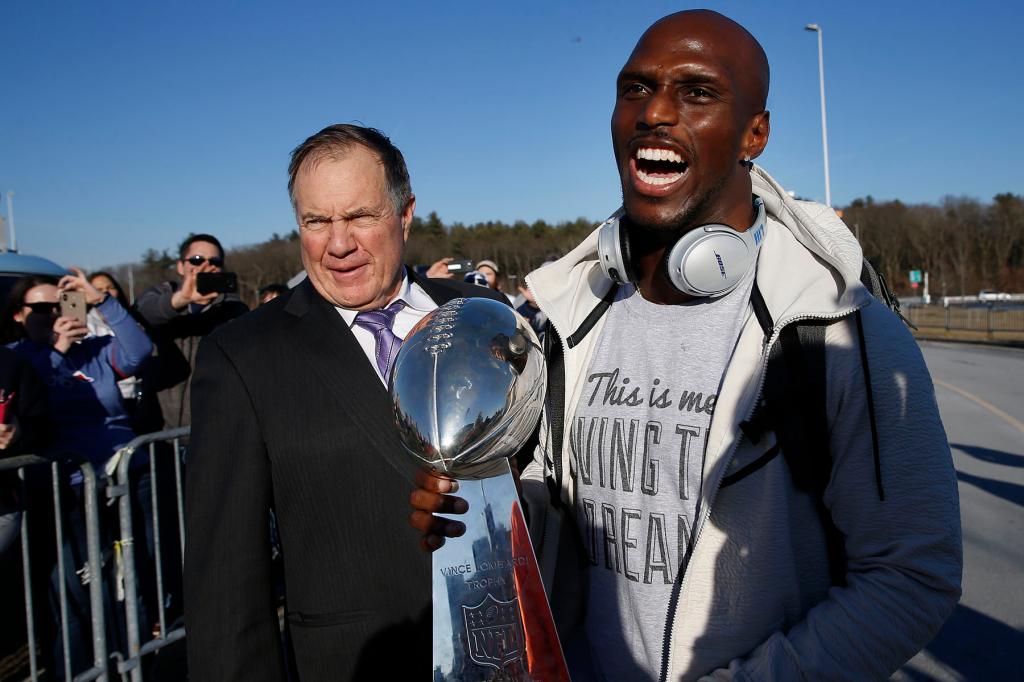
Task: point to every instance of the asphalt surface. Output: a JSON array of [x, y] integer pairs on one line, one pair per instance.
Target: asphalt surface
[[980, 392]]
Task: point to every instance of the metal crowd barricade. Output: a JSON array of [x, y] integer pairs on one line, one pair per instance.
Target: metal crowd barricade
[[131, 664], [93, 565]]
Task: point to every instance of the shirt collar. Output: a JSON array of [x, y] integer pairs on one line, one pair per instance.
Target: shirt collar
[[412, 294]]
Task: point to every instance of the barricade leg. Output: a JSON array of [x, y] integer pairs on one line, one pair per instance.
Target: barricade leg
[[59, 578], [180, 498], [154, 482], [26, 572], [96, 582], [131, 595]]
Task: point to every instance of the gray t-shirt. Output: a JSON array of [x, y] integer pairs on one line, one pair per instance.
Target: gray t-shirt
[[637, 444]]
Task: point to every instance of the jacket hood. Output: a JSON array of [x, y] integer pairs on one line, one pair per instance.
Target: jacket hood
[[809, 265]]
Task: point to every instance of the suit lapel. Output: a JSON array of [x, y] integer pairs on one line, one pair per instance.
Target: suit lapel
[[329, 348], [335, 356]]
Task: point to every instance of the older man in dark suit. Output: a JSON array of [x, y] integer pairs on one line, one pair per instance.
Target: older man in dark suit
[[291, 412]]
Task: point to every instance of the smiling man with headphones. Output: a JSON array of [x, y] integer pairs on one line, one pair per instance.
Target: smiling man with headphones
[[691, 520]]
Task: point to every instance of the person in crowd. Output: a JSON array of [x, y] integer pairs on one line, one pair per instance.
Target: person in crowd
[[291, 412], [178, 316], [532, 312], [81, 373], [24, 424], [104, 282], [270, 292], [24, 420], [490, 270], [717, 542], [88, 419]]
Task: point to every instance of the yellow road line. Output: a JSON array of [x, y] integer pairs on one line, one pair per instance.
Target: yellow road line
[[1009, 419]]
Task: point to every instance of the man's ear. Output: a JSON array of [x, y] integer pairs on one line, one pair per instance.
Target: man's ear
[[756, 137], [19, 316], [407, 214], [181, 268]]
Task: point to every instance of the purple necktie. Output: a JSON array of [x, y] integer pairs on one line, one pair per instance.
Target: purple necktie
[[378, 323]]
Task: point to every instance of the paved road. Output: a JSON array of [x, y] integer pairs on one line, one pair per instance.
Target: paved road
[[980, 391]]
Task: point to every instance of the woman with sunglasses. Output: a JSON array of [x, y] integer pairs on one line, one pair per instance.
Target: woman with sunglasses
[[88, 422], [82, 373]]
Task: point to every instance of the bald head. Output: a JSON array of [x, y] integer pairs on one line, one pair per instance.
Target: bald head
[[689, 117], [737, 49]]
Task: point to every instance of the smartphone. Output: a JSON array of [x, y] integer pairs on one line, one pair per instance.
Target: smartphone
[[216, 282], [460, 267], [72, 304]]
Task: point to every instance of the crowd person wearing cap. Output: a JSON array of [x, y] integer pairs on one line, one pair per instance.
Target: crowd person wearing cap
[[714, 538], [491, 272], [291, 413], [178, 316]]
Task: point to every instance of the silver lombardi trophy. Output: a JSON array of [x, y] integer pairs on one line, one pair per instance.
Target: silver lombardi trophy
[[467, 388]]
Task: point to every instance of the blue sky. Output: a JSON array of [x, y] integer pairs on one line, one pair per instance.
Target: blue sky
[[125, 126]]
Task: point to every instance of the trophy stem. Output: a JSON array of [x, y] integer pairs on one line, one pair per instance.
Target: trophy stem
[[492, 620]]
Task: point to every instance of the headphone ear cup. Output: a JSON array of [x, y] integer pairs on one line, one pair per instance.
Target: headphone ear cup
[[613, 250], [675, 266]]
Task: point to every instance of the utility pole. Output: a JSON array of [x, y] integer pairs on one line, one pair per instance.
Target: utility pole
[[10, 220]]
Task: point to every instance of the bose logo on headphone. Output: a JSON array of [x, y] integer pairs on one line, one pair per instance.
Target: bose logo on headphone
[[710, 260], [721, 265]]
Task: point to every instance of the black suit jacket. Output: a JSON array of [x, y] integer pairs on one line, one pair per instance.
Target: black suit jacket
[[287, 412]]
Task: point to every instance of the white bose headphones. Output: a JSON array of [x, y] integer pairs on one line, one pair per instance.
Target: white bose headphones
[[706, 261]]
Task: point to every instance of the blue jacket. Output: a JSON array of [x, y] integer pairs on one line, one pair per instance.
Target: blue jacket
[[88, 416]]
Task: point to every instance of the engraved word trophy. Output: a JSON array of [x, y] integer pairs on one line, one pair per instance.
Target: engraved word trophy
[[467, 387]]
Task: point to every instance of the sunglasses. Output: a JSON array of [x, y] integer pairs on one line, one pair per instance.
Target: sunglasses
[[43, 308], [198, 260]]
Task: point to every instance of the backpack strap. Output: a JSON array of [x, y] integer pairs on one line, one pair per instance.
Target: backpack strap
[[876, 285], [793, 406]]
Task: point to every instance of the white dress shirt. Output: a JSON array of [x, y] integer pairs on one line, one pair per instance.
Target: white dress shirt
[[417, 305]]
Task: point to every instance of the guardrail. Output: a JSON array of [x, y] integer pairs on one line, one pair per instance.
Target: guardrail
[[122, 492], [93, 565], [991, 318], [118, 646]]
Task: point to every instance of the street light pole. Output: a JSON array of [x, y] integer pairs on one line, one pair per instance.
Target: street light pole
[[824, 127]]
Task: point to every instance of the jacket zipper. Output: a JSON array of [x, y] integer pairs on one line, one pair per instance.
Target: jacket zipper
[[677, 586]]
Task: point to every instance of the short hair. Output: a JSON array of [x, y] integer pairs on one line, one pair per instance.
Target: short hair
[[193, 238], [337, 140], [10, 330]]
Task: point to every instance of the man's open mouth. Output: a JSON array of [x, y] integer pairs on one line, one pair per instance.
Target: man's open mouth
[[658, 166]]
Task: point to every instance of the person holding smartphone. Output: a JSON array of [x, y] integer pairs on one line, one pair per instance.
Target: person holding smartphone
[[44, 323], [179, 314], [81, 373]]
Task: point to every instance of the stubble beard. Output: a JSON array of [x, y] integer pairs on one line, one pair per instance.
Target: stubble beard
[[689, 216]]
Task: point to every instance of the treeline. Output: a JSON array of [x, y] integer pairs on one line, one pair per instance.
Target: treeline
[[517, 248], [965, 245]]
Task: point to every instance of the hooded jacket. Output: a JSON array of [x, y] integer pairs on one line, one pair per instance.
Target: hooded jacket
[[753, 599]]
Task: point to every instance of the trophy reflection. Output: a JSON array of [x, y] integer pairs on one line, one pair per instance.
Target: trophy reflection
[[467, 389]]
